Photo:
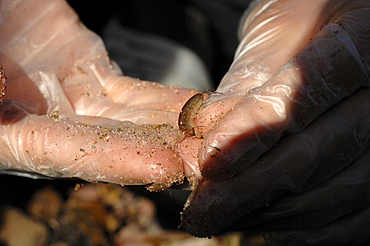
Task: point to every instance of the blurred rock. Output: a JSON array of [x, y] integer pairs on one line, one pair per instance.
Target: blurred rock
[[45, 205], [17, 229]]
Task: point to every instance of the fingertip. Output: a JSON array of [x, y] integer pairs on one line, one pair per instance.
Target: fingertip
[[195, 218], [209, 210]]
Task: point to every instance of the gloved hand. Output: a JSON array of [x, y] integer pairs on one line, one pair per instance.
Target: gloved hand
[[69, 112], [286, 124]]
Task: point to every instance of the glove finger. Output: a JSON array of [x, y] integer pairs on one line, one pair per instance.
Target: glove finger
[[296, 164], [330, 68], [263, 40], [118, 152]]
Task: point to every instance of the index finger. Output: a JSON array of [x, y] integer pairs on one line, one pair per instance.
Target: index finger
[[115, 151]]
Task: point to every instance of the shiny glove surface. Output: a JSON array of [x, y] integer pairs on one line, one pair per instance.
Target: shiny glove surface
[[289, 119]]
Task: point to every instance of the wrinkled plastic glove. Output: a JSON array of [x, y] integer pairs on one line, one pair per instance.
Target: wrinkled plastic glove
[[286, 124], [69, 112]]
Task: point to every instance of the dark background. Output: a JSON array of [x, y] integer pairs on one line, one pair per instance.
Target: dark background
[[208, 27]]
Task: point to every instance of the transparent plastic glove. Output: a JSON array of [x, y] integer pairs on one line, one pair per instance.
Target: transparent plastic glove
[[69, 112], [281, 124]]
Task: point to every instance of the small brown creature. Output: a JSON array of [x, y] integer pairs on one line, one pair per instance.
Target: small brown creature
[[188, 112]]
